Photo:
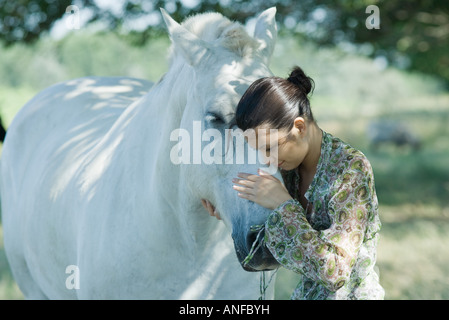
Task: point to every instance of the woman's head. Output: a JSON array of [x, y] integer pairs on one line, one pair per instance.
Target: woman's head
[[281, 104], [275, 102]]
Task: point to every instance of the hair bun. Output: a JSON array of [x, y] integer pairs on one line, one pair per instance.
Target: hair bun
[[299, 78]]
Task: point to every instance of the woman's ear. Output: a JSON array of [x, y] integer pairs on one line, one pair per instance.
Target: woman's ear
[[300, 125]]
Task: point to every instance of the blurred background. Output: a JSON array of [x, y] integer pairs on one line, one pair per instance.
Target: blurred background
[[382, 85]]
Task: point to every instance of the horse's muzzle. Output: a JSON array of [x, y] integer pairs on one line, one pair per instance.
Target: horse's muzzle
[[255, 256]]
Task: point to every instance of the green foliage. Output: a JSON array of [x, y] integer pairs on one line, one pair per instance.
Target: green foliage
[[412, 34], [26, 20], [79, 54]]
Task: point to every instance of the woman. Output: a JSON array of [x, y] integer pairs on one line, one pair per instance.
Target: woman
[[324, 223]]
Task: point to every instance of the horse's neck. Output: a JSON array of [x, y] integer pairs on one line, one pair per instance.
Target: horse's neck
[[166, 101], [170, 94], [146, 146]]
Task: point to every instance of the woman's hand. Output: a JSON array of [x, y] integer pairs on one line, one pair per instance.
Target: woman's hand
[[211, 209], [263, 189]]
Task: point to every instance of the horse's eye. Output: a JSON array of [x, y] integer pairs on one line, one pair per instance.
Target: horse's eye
[[214, 118], [233, 124]]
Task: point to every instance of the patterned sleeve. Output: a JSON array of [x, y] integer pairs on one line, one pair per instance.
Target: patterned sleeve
[[325, 256]]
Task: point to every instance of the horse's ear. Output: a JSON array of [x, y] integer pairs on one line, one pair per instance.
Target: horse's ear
[[266, 33], [191, 47]]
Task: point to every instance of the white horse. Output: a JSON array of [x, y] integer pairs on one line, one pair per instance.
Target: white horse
[[93, 206]]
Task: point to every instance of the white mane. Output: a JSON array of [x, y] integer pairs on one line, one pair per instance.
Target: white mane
[[218, 30]]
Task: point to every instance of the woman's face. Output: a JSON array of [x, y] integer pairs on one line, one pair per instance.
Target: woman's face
[[283, 148]]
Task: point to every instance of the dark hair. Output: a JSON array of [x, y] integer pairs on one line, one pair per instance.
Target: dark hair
[[275, 101]]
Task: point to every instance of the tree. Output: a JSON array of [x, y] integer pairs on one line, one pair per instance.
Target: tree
[[412, 34], [24, 21]]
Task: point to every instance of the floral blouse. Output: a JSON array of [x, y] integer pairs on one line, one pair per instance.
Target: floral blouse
[[333, 244]]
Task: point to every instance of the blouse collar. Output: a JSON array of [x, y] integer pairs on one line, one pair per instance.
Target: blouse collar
[[326, 149]]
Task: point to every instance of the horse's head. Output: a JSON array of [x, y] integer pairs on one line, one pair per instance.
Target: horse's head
[[220, 60]]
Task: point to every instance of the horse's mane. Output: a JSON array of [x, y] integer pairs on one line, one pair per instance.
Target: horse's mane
[[214, 28]]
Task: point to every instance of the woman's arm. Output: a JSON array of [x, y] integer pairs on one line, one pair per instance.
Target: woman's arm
[[326, 256]]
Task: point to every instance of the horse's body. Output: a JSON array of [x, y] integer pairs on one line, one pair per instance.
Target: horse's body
[[88, 182]]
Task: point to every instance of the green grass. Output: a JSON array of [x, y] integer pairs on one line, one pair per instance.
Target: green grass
[[412, 187], [12, 99], [413, 256]]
